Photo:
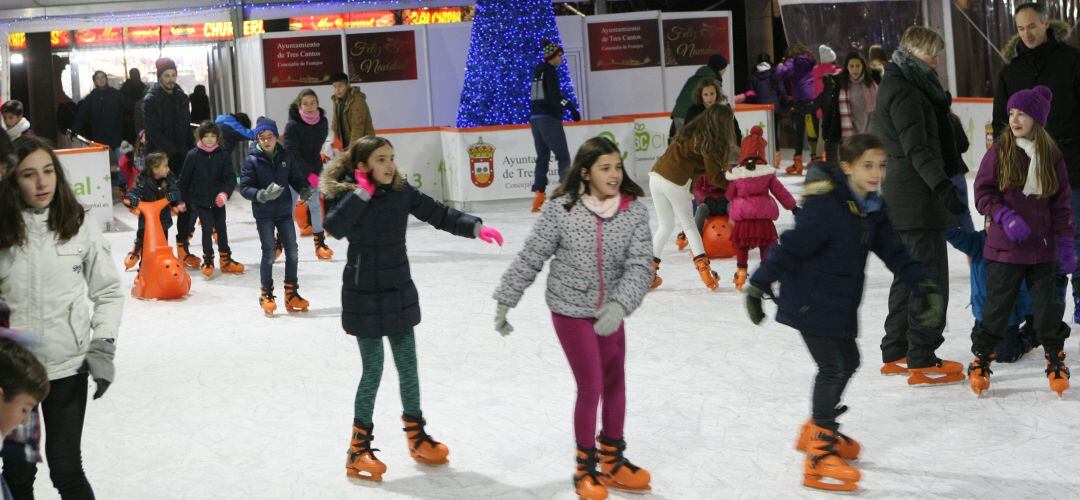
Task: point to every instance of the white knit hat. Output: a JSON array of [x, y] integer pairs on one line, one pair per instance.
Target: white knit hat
[[825, 54]]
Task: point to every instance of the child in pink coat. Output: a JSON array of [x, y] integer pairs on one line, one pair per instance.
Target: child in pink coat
[[752, 185]]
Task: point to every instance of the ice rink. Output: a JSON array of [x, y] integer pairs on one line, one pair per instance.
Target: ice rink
[[215, 401]]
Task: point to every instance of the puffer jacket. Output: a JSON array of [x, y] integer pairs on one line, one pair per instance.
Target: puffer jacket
[[798, 72], [167, 120], [305, 141], [69, 291], [260, 170], [749, 192], [597, 260], [205, 174]]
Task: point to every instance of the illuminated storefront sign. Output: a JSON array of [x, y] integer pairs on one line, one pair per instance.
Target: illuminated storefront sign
[[142, 35], [432, 16], [369, 19]]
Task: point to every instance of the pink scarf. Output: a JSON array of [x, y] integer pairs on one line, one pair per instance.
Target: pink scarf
[[604, 209], [311, 119], [200, 145]]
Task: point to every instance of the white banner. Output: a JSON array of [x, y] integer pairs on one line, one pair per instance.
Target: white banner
[[418, 154], [87, 171], [976, 115]]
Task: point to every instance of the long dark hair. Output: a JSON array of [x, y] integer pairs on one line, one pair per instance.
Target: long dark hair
[[587, 155], [712, 135], [1012, 171], [66, 215], [360, 151], [845, 77]]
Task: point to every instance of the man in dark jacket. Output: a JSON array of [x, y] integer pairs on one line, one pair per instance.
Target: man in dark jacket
[[133, 91], [97, 118], [167, 119], [545, 118], [1039, 56], [912, 119]]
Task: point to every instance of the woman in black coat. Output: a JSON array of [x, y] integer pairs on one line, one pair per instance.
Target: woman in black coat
[[305, 133], [99, 118], [200, 104]]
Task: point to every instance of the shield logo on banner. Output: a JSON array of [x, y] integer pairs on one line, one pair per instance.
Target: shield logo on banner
[[481, 163]]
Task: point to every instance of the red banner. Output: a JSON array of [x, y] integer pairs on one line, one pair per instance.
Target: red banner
[[142, 34], [624, 45], [381, 57], [301, 61], [690, 42], [366, 19], [99, 36]]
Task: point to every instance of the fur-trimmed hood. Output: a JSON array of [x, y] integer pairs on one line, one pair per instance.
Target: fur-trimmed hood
[[337, 178], [741, 172], [1059, 31]]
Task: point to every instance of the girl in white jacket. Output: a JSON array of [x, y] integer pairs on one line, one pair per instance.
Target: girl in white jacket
[[58, 276]]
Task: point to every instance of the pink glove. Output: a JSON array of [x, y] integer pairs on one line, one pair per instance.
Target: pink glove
[[363, 181], [490, 235], [221, 199], [313, 180]]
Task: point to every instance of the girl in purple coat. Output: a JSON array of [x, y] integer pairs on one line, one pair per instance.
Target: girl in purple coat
[[797, 72], [752, 184], [1023, 187]]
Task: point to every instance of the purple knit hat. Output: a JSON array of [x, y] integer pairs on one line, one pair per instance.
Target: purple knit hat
[[1034, 102]]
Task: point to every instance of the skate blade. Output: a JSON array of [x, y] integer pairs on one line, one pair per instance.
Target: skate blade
[[918, 379], [820, 483], [431, 463], [363, 477], [626, 489]]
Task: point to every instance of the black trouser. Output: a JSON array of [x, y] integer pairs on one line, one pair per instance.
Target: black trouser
[[902, 335], [185, 221], [802, 110], [837, 359], [832, 151], [142, 230], [1002, 285], [63, 411], [213, 218]]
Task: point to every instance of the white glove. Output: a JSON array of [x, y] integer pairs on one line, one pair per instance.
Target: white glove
[[608, 318], [271, 193], [501, 325]]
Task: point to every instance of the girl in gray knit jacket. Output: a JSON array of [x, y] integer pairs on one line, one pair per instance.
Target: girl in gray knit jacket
[[599, 234]]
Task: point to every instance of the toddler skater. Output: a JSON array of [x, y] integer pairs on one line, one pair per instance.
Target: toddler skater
[[368, 202], [710, 201], [207, 179], [821, 265], [268, 171], [752, 184], [599, 235], [1024, 187], [155, 182]]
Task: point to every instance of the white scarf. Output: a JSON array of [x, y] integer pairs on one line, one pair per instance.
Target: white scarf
[[605, 209], [17, 130], [1031, 185]]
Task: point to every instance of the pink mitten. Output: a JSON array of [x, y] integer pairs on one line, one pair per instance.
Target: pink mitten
[[313, 180], [490, 235], [221, 199], [363, 181]]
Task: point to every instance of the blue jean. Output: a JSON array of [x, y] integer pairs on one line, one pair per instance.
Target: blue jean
[[314, 207], [549, 137], [965, 221], [285, 230]]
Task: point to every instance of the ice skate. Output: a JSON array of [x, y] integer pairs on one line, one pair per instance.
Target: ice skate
[[656, 279], [422, 447], [361, 462], [796, 167], [740, 278], [538, 200], [941, 372], [230, 266], [134, 256], [1057, 373], [293, 301], [846, 448], [208, 265], [303, 218], [708, 276], [978, 375], [587, 480], [183, 255], [267, 300], [681, 241], [322, 251], [616, 471], [898, 367], [824, 468]]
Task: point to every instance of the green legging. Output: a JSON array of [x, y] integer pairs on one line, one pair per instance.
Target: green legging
[[403, 345]]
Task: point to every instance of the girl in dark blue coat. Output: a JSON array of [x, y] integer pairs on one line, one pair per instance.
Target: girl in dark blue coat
[[207, 181], [268, 172], [820, 265], [305, 134]]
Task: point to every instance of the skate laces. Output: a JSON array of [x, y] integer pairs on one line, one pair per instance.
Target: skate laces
[[983, 366], [587, 466], [1055, 364], [826, 451], [362, 444], [616, 456], [421, 435]]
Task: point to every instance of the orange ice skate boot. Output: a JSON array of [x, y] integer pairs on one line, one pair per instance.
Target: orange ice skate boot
[[422, 447], [183, 255], [616, 471], [978, 374], [322, 251], [796, 167], [208, 265], [898, 367], [939, 372], [267, 300], [708, 276], [230, 266], [656, 279], [587, 480], [740, 278], [293, 301], [824, 468], [681, 241], [538, 200], [1057, 373], [846, 448], [361, 462], [134, 256]]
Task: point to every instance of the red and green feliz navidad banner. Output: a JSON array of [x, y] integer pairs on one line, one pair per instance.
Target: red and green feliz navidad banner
[[301, 61], [623, 45], [381, 57], [690, 42]]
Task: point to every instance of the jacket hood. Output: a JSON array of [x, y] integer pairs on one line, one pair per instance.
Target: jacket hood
[[294, 114], [804, 63], [1058, 32], [707, 71], [230, 122], [337, 178], [741, 172]]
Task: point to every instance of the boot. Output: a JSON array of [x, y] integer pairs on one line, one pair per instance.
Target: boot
[[978, 374], [302, 218], [361, 462], [1056, 372], [824, 462], [796, 167], [422, 447], [182, 253], [898, 367], [846, 448], [322, 251], [208, 265], [278, 248], [586, 480], [681, 241], [134, 256], [616, 471], [656, 280], [776, 158], [740, 278], [538, 200], [941, 372], [267, 300], [293, 301], [230, 266], [708, 276]]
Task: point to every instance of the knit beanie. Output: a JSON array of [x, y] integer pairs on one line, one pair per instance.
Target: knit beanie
[[263, 124], [164, 64], [717, 62], [1034, 102], [825, 54], [753, 147], [550, 49]]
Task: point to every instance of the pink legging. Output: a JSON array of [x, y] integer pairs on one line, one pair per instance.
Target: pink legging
[[597, 363]]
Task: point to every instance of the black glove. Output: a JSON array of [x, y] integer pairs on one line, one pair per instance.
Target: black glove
[[171, 197], [133, 203], [928, 304], [950, 197], [305, 195], [99, 362], [753, 302]]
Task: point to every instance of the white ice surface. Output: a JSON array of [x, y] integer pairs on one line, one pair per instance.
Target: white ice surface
[[215, 401]]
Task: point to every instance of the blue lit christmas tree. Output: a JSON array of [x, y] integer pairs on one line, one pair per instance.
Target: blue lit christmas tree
[[503, 50]]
